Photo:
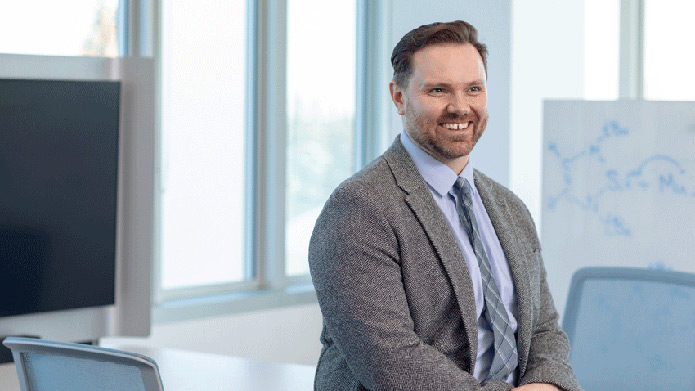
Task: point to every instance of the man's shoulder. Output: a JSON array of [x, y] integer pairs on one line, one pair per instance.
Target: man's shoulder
[[379, 187], [371, 181], [364, 199], [382, 174]]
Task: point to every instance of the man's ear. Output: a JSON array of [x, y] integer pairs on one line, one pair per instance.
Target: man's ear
[[397, 97]]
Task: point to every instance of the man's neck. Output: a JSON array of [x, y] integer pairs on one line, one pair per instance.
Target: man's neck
[[457, 165]]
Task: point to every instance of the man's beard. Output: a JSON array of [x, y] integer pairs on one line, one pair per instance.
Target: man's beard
[[460, 145]]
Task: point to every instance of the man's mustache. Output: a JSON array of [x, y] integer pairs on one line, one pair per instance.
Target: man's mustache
[[452, 117]]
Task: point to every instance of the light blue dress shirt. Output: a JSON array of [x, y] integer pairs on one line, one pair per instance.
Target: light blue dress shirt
[[440, 180]]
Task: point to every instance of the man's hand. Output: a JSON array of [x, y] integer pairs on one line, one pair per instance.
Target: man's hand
[[537, 387]]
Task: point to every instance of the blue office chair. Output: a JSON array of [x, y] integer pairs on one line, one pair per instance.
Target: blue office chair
[[632, 329], [57, 366]]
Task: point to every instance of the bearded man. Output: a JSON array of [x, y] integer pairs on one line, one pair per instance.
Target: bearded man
[[428, 273]]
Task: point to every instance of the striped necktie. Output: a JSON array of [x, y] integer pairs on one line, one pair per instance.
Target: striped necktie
[[506, 357]]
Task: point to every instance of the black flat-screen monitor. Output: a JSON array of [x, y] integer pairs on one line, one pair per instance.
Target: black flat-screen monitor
[[59, 143]]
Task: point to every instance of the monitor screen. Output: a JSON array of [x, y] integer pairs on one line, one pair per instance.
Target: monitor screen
[[58, 194]]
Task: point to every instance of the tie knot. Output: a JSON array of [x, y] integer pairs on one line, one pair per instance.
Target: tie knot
[[463, 186]]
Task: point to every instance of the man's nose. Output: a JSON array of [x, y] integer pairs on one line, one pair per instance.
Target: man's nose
[[458, 104]]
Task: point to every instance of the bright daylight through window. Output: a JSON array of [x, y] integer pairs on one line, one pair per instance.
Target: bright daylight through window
[[601, 49], [59, 28], [669, 59], [320, 115], [201, 223]]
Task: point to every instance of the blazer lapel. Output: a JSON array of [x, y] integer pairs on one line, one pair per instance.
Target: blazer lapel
[[426, 210], [515, 253]]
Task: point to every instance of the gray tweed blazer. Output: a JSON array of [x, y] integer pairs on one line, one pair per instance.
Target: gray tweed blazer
[[396, 295]]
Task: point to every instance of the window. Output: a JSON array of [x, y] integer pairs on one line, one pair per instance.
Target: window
[[233, 75], [601, 49], [60, 28], [320, 115], [641, 47], [203, 162], [669, 60]]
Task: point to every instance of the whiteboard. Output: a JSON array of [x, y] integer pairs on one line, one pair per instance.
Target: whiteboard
[[618, 187]]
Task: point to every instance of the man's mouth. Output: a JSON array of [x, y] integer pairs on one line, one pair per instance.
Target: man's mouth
[[456, 126]]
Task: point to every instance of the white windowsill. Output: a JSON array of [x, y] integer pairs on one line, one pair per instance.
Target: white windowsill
[[230, 303]]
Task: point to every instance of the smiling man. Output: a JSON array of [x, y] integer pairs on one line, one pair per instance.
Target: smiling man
[[428, 273]]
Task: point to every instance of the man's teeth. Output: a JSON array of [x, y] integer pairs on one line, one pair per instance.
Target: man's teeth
[[456, 126]]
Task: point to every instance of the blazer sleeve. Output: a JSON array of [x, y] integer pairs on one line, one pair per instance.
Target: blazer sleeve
[[355, 267], [548, 357]]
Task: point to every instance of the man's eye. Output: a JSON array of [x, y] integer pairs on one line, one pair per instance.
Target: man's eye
[[476, 89], [437, 90]]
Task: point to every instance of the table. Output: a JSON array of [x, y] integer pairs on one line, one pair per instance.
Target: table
[[183, 370]]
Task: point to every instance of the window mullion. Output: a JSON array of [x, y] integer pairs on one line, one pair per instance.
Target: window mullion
[[136, 27], [253, 70], [372, 99], [271, 142], [631, 49], [123, 27]]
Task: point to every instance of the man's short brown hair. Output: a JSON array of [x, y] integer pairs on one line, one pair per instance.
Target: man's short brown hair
[[431, 34]]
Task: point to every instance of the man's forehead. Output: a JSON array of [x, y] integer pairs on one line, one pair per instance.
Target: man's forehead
[[447, 45], [447, 51], [442, 62]]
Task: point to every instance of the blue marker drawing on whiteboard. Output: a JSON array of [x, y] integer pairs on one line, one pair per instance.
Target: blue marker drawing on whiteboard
[[657, 172]]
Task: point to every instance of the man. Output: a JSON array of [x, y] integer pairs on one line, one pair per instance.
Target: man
[[428, 273]]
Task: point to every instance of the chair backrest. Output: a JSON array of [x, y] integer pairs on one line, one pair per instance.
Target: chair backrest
[[632, 329], [44, 365]]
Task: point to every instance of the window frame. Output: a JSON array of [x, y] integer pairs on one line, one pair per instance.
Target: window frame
[[182, 297], [267, 285]]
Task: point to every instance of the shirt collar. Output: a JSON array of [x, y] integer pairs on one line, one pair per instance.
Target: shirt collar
[[438, 175]]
